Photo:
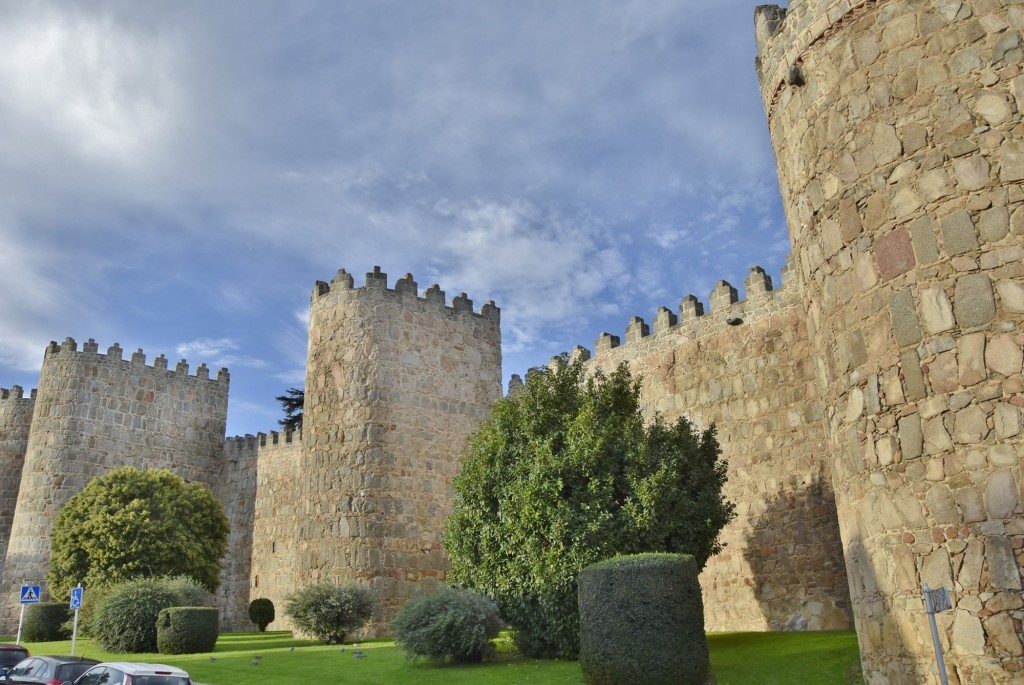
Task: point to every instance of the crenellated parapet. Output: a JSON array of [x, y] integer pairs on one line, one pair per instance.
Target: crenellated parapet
[[115, 353], [726, 310], [406, 289]]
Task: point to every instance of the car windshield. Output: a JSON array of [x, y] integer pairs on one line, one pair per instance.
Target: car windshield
[[9, 657]]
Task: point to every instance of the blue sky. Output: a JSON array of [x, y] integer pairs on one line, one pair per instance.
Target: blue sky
[[176, 175]]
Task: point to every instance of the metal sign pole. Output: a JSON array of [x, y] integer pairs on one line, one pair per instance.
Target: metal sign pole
[[21, 619], [76, 601], [931, 609]]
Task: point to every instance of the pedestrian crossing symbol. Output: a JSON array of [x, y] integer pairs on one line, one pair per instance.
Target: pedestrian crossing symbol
[[30, 594]]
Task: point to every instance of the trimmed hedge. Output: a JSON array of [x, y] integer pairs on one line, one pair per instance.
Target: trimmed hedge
[[125, 619], [261, 612], [44, 622], [642, 621], [450, 623], [187, 630]]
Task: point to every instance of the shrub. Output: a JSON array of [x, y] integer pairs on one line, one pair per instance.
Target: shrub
[[567, 472], [125, 620], [328, 612], [261, 612], [642, 621], [450, 623], [187, 630], [44, 622]]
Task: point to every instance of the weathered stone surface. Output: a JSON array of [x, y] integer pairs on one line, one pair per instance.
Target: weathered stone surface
[[1007, 420], [971, 357], [894, 254], [974, 304], [1011, 296], [958, 233], [905, 325], [1001, 494], [968, 635], [972, 173], [1003, 573], [936, 310], [911, 437], [1003, 355], [970, 425]]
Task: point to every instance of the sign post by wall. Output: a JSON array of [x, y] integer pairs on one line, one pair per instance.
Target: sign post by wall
[[76, 604], [29, 595], [934, 602]]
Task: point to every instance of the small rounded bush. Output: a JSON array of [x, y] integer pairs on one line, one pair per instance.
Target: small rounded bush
[[187, 630], [261, 612], [125, 620], [329, 612], [451, 623], [642, 621], [44, 622]]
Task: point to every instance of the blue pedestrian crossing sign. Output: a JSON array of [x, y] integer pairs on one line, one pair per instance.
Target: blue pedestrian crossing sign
[[30, 594], [76, 598]]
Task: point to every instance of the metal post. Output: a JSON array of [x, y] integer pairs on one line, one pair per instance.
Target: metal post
[[21, 619], [74, 630], [935, 634]]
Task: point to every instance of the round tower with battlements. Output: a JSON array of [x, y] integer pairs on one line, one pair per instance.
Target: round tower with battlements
[[899, 140], [395, 382]]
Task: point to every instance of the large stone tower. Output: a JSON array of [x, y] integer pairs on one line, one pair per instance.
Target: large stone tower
[[900, 147], [94, 412], [394, 384]]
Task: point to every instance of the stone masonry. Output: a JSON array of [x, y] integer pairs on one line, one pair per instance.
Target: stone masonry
[[870, 408], [899, 139]]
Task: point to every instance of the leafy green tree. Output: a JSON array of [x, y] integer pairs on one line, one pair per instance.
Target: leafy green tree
[[292, 402], [330, 612], [564, 474], [137, 524]]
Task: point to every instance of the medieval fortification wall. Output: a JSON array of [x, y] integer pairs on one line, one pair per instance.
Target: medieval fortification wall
[[748, 367], [94, 412], [394, 385], [15, 423], [870, 409], [900, 145]]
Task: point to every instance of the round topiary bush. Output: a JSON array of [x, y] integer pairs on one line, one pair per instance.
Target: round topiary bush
[[261, 612], [44, 622], [450, 623], [329, 612], [187, 630], [642, 621]]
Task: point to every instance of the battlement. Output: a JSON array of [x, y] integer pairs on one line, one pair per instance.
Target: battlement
[[249, 441], [783, 36], [692, 322], [115, 353], [377, 281], [16, 392]]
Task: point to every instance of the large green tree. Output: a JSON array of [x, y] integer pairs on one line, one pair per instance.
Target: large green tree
[[133, 524], [567, 473]]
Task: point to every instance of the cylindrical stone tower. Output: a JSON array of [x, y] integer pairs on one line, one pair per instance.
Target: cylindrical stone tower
[[15, 423], [394, 385], [94, 412], [900, 147]]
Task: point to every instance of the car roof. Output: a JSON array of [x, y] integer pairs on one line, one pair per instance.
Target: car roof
[[11, 645], [69, 659], [137, 668]]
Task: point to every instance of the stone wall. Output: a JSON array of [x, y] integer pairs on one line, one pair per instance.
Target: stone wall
[[747, 366], [94, 412], [395, 383], [275, 520], [235, 487], [15, 423], [899, 139]]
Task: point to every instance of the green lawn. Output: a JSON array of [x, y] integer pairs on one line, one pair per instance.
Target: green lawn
[[736, 658]]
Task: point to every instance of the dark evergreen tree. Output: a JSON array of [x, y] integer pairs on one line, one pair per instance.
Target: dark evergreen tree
[[292, 402]]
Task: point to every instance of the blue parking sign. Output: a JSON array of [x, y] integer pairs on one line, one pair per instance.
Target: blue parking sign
[[30, 594], [76, 598]]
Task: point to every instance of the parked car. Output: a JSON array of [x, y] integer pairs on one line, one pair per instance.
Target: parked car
[[48, 670], [128, 673], [10, 655]]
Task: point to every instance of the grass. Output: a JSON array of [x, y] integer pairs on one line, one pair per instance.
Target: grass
[[828, 658]]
